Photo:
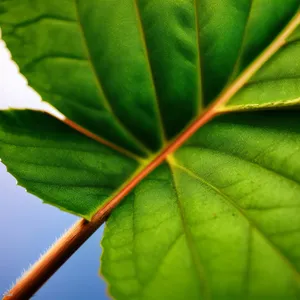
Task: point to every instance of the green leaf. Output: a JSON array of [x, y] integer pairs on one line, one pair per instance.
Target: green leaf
[[219, 219], [275, 84], [233, 33], [63, 39], [59, 165]]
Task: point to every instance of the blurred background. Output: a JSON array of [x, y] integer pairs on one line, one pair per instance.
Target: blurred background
[[28, 227]]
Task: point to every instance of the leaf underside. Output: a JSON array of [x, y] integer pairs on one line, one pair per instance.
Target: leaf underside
[[220, 218]]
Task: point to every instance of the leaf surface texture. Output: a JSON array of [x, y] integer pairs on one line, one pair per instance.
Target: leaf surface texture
[[220, 218]]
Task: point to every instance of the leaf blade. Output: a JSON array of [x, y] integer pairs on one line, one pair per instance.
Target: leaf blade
[[84, 88], [88, 172], [261, 244], [145, 276], [274, 85]]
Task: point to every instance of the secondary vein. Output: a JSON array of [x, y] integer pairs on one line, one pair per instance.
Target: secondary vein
[[100, 87], [144, 42], [199, 69], [204, 286], [237, 64], [239, 209]]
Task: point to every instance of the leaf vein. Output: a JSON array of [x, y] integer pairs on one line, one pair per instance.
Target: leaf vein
[[99, 84], [146, 51], [204, 287], [233, 203], [199, 69], [284, 176]]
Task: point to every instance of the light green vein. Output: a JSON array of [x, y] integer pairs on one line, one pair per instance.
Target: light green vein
[[266, 168], [232, 203], [204, 286]]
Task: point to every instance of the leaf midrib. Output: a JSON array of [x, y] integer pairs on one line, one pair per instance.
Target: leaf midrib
[[216, 108]]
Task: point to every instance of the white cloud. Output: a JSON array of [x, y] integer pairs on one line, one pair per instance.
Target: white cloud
[[14, 91]]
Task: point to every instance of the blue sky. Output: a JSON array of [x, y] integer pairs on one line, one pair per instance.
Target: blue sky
[[28, 227]]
